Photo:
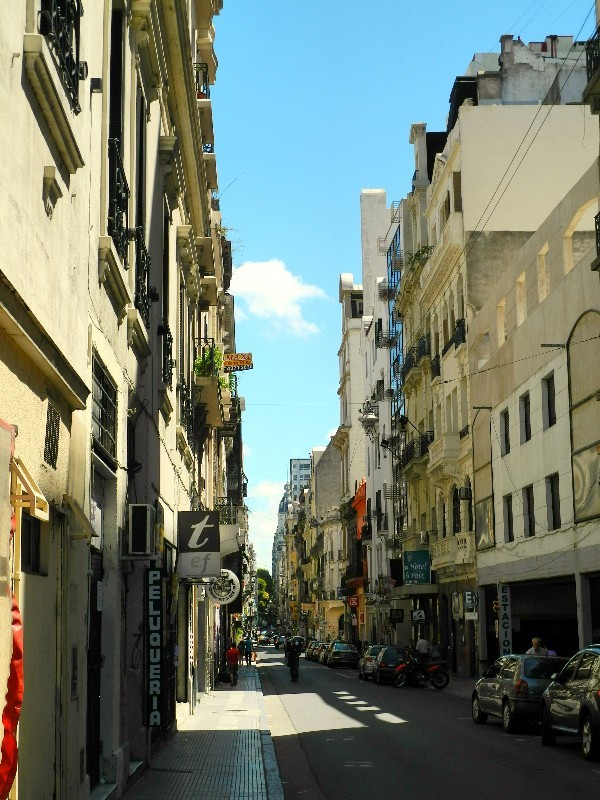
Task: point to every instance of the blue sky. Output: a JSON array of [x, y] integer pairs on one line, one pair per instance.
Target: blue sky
[[313, 102]]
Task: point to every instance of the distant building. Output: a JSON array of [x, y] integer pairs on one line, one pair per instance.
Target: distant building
[[299, 476]]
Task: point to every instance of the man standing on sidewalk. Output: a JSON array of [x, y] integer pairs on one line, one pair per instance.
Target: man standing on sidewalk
[[231, 657]]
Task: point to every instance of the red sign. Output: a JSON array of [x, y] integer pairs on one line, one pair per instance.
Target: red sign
[[353, 601]]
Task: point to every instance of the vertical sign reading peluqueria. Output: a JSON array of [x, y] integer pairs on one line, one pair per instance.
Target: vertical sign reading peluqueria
[[154, 677]]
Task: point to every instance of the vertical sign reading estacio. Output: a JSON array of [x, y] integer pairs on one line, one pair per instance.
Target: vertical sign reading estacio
[[504, 619], [154, 611]]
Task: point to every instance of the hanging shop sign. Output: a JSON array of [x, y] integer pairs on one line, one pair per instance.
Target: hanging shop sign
[[236, 362], [353, 601], [154, 666], [225, 588], [396, 615], [417, 567], [504, 619], [199, 544]]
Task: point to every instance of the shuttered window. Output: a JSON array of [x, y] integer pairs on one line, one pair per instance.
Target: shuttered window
[[525, 405], [509, 534], [553, 501], [457, 191], [528, 512], [505, 432], [549, 401]]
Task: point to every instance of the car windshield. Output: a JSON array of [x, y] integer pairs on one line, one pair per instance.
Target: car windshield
[[542, 667], [347, 648]]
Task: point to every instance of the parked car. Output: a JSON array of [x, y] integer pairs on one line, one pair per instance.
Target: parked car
[[387, 660], [324, 654], [571, 704], [511, 689], [343, 655], [309, 648], [316, 653], [366, 664]]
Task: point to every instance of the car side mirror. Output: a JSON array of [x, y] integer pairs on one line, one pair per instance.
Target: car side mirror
[[556, 677]]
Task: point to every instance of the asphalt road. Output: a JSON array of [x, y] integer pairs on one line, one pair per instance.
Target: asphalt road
[[338, 738]]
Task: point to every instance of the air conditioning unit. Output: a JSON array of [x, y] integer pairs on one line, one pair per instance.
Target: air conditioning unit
[[141, 540], [424, 537]]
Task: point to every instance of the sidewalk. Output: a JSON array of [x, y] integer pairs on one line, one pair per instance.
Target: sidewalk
[[223, 752]]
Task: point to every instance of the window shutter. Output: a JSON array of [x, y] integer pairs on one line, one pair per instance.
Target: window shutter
[[115, 125], [554, 493], [551, 400]]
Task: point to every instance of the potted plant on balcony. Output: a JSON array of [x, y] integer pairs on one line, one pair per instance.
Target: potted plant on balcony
[[208, 363]]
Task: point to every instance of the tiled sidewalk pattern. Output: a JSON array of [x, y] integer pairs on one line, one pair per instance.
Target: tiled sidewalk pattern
[[218, 754]]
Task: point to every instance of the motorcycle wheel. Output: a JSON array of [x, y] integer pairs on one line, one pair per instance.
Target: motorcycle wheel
[[439, 680], [400, 680]]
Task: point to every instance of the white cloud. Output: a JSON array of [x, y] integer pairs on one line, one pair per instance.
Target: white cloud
[[270, 291], [263, 504]]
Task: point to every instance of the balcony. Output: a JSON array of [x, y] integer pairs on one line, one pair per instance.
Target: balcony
[[443, 553], [414, 454], [447, 250], [144, 293], [465, 547], [436, 371], [210, 164], [591, 93], [445, 449], [59, 24], [208, 382]]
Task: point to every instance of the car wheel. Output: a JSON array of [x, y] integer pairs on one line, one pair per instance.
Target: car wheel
[[548, 735], [590, 739], [509, 723], [479, 716]]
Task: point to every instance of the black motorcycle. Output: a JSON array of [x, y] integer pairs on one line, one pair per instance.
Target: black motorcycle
[[414, 672]]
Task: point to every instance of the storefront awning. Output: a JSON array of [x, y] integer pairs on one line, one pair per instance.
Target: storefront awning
[[26, 493]]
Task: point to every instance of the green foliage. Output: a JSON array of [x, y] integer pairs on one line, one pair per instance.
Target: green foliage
[[209, 362], [419, 257]]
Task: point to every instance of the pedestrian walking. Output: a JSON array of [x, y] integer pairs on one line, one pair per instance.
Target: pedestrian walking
[[248, 648], [293, 650], [232, 658]]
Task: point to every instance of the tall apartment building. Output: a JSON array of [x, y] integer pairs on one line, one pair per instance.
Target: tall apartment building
[[116, 413], [472, 207], [299, 476]]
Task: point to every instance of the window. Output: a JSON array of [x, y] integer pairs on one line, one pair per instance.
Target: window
[[356, 305], [542, 273], [104, 409], [500, 322], [586, 667], [509, 668], [456, 527], [553, 501], [59, 23], [30, 544], [548, 401], [528, 512], [505, 432], [509, 533], [52, 433], [456, 185], [525, 409]]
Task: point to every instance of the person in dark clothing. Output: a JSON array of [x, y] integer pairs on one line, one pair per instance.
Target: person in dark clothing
[[292, 652]]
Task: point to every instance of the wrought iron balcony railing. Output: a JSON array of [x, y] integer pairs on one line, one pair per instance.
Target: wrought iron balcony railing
[[423, 348], [592, 54], [143, 291], [186, 408], [229, 513], [206, 357], [464, 432], [435, 367], [167, 353], [118, 201], [59, 23], [460, 333], [416, 448]]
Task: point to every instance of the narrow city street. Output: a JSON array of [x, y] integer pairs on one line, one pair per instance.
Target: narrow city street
[[338, 737]]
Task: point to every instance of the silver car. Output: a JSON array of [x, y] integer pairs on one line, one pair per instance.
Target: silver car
[[366, 665]]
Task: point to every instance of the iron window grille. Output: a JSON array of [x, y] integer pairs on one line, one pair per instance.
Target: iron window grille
[[144, 293], [167, 353], [59, 24], [118, 201], [104, 409]]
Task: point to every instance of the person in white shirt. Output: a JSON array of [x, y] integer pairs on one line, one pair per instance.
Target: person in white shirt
[[423, 648], [536, 649]]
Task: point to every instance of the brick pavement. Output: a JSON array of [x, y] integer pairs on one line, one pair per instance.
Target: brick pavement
[[223, 752]]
